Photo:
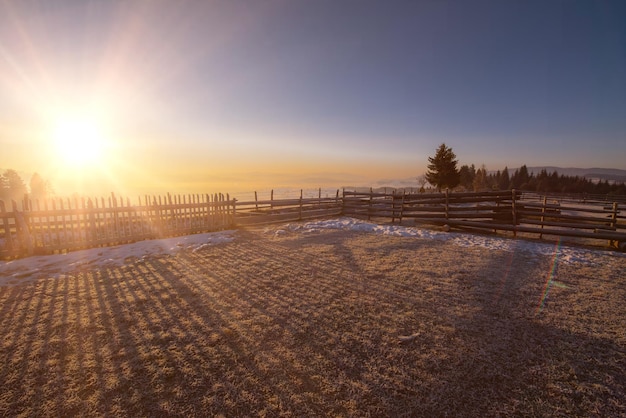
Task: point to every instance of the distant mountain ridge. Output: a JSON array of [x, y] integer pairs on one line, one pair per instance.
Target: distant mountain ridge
[[611, 174]]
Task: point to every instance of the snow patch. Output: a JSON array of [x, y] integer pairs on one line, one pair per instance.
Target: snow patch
[[565, 254], [58, 264]]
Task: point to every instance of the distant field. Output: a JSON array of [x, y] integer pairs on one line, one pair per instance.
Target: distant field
[[338, 323]]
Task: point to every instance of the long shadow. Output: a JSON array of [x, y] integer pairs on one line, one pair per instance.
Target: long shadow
[[312, 308], [512, 361], [308, 327], [23, 333], [507, 357], [258, 285], [33, 354], [167, 332]]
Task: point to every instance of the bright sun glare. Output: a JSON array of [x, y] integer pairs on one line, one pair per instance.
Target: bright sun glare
[[78, 142]]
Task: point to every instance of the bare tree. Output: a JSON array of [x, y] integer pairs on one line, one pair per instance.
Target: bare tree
[[421, 180]]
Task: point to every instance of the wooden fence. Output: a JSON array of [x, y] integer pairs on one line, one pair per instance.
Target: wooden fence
[[497, 210], [59, 225], [293, 209], [56, 225]]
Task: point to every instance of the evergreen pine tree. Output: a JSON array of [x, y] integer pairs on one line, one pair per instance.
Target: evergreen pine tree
[[15, 187], [504, 182], [466, 176], [442, 171], [480, 180]]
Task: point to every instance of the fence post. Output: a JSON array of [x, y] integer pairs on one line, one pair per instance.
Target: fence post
[[92, 222], [139, 219], [23, 234], [133, 225], [231, 215], [369, 208], [543, 215], [81, 220], [256, 201], [393, 204], [402, 205], [172, 213], [156, 211], [223, 211], [66, 236], [614, 222], [30, 223], [300, 217], [514, 212], [55, 237], [8, 237], [447, 202], [614, 216], [130, 215], [207, 205], [184, 211], [102, 219], [216, 211], [116, 225]]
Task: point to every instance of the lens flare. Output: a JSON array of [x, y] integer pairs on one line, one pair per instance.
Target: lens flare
[[550, 282]]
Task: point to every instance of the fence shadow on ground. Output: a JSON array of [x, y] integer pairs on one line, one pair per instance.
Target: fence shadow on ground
[[270, 326]]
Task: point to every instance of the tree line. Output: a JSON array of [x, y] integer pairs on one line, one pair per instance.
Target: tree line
[[12, 187], [443, 173]]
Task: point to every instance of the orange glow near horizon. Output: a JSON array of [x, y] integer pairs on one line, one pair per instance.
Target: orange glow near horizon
[[132, 175], [150, 97], [103, 119]]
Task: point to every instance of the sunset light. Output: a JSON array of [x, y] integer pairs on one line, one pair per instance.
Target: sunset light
[[78, 142], [197, 97], [312, 208]]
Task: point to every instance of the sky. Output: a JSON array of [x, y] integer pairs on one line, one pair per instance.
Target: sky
[[151, 96]]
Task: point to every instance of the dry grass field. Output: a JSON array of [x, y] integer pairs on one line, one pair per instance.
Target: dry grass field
[[312, 325]]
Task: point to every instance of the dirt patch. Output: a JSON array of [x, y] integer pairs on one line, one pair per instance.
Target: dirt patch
[[329, 323]]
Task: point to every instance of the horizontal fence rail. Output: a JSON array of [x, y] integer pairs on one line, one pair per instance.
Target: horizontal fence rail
[[577, 197], [574, 216]]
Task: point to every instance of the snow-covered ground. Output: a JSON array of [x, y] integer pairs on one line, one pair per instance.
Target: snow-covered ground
[[55, 265]]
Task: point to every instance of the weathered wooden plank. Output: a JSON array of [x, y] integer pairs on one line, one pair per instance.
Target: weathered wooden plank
[[567, 224], [9, 245]]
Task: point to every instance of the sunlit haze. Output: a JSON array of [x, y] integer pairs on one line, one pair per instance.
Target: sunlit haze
[[205, 96]]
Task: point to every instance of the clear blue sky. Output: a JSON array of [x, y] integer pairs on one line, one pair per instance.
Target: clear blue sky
[[196, 93]]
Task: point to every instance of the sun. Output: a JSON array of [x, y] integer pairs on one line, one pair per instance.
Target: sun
[[78, 142]]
